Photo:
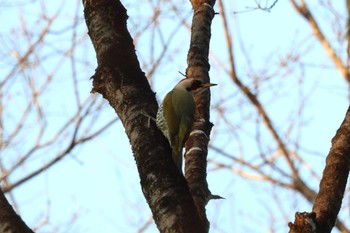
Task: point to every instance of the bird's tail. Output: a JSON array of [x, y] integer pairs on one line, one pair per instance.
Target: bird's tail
[[177, 157]]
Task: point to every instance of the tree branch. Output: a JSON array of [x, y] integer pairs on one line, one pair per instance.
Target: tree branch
[[332, 186], [9, 220], [120, 80], [304, 11], [335, 175], [197, 143]]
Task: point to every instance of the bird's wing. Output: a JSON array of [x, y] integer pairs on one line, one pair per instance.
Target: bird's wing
[[171, 118], [184, 107]]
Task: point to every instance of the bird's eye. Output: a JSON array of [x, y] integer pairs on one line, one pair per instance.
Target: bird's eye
[[196, 84]]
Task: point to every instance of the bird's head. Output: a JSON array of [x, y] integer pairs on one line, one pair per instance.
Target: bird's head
[[194, 86]]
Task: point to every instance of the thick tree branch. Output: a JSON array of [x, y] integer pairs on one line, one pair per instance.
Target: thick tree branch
[[9, 220], [120, 80], [335, 175], [332, 186], [197, 144], [348, 31]]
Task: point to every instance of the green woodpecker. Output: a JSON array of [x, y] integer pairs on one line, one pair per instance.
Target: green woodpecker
[[176, 113]]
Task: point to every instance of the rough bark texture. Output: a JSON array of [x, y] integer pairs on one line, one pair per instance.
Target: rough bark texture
[[10, 222], [303, 223], [348, 31], [335, 175], [197, 144], [120, 80], [332, 186]]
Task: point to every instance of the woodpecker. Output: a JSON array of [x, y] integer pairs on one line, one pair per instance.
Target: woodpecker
[[176, 113]]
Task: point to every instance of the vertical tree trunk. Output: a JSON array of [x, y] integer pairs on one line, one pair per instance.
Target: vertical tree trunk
[[120, 80], [197, 144]]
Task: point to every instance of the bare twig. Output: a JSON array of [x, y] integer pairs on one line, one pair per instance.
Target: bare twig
[[304, 11]]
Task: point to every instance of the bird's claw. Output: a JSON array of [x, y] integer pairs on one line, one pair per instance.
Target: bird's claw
[[149, 118]]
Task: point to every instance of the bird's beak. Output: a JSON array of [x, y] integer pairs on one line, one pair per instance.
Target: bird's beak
[[205, 85]]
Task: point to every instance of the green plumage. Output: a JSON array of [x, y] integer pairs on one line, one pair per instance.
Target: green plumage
[[178, 112], [179, 117]]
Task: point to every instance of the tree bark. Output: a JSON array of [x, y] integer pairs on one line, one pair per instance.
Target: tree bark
[[120, 80], [197, 144], [332, 186], [10, 222]]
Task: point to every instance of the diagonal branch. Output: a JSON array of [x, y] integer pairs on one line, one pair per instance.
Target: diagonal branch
[[335, 175], [304, 11], [9, 220], [254, 99], [73, 144], [120, 80], [332, 186]]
